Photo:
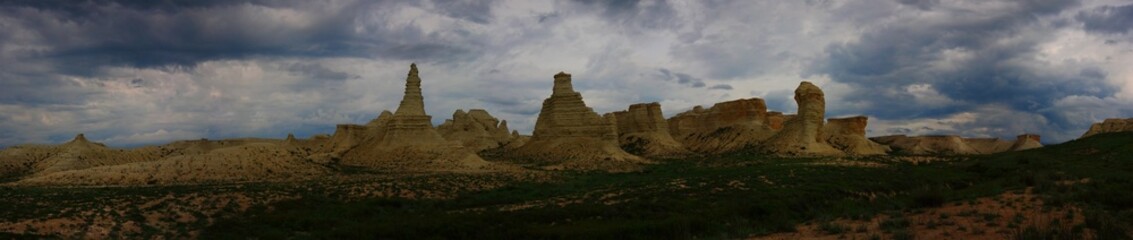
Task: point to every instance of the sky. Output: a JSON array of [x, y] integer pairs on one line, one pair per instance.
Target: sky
[[131, 73]]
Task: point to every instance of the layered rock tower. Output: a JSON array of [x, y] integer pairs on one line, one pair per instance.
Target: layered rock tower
[[570, 135]]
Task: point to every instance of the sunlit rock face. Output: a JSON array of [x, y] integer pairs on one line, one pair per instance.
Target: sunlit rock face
[[1110, 125], [848, 135], [802, 135], [725, 127], [570, 135]]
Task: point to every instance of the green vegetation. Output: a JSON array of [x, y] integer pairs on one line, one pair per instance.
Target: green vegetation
[[727, 196]]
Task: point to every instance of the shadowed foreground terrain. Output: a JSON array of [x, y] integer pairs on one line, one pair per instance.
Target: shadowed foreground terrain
[[1079, 189]]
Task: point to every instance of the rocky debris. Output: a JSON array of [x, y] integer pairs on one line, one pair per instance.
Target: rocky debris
[[1110, 125], [406, 140], [725, 127], [1026, 141], [802, 135], [848, 135], [570, 135], [642, 130], [927, 145], [476, 130]]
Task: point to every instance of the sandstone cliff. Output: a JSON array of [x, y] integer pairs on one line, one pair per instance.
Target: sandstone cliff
[[1026, 141], [802, 134], [725, 127], [927, 145], [1110, 125], [570, 135]]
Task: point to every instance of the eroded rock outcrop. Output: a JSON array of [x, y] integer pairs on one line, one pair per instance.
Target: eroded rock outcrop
[[79, 153], [1026, 141], [1110, 125], [725, 127], [988, 145], [927, 145], [802, 134], [570, 135], [848, 135], [642, 130], [476, 130], [406, 140]]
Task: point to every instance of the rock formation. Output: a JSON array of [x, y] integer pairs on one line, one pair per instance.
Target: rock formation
[[406, 140], [79, 153], [1026, 141], [802, 135], [642, 130], [1110, 125], [476, 130], [570, 135], [927, 145], [988, 145], [726, 126], [848, 135]]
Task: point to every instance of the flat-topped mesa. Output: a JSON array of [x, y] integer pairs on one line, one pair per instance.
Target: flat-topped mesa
[[802, 135], [642, 130], [725, 127], [928, 145], [570, 135], [848, 135], [988, 145], [1110, 125], [750, 112]]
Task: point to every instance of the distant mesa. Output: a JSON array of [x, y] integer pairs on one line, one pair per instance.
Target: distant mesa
[[956, 145], [642, 130], [1110, 125], [570, 135]]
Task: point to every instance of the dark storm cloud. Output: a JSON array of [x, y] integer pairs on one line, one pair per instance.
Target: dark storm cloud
[[1107, 19], [145, 34]]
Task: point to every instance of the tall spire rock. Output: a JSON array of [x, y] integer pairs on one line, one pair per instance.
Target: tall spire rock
[[412, 103], [570, 135], [802, 135]]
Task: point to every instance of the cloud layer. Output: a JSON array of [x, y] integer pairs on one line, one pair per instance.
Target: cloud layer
[[143, 72]]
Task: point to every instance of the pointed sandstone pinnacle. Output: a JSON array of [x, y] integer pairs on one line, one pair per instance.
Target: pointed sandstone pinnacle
[[409, 124], [412, 103], [802, 135], [79, 139]]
